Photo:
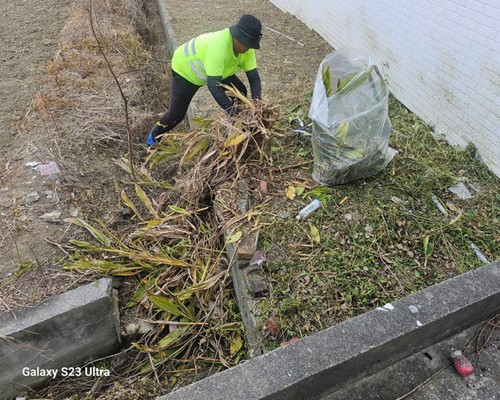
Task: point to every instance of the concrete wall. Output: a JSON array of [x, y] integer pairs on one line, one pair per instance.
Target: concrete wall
[[441, 58], [62, 332]]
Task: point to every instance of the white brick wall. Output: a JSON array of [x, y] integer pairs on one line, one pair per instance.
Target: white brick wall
[[441, 58]]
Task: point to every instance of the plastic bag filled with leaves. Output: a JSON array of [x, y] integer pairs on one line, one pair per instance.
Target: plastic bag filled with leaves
[[351, 126]]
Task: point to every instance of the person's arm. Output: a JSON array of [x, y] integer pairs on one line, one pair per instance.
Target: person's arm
[[255, 83], [219, 94]]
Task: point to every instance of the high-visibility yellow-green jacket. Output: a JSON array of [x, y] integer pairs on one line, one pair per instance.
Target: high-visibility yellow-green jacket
[[211, 54]]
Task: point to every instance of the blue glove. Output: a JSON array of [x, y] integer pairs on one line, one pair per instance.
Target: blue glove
[[151, 141]]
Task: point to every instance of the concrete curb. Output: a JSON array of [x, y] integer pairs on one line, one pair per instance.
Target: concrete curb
[[171, 45], [62, 332], [332, 359]]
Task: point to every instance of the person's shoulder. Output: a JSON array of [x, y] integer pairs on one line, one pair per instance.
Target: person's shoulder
[[218, 35], [217, 41]]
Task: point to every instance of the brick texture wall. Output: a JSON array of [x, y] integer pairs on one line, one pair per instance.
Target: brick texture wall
[[441, 58]]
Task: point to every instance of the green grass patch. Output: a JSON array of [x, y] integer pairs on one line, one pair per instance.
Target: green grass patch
[[377, 239]]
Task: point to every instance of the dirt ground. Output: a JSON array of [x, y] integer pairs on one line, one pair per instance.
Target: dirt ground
[[29, 32]]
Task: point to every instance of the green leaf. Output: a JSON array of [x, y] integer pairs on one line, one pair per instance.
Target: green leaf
[[145, 200], [234, 139], [172, 337], [201, 145], [345, 82], [314, 233], [83, 244], [179, 210], [234, 237], [327, 80], [130, 204], [425, 242], [304, 152], [290, 192], [299, 190], [96, 233], [166, 305], [236, 344], [141, 292]]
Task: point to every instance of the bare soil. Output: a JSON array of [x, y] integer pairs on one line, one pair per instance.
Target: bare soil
[[42, 63], [29, 32]]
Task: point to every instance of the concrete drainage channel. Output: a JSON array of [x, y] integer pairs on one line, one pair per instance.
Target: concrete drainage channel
[[332, 363]]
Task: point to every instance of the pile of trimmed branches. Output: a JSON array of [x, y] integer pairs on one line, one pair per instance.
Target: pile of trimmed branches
[[176, 255]]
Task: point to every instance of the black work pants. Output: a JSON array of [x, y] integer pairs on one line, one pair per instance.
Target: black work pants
[[181, 93]]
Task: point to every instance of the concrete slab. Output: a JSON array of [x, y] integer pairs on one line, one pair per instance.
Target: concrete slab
[[334, 359], [429, 375], [62, 332]]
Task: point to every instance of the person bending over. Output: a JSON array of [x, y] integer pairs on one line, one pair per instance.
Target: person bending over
[[212, 59]]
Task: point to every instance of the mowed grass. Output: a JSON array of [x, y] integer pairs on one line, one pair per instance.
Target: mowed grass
[[377, 239]]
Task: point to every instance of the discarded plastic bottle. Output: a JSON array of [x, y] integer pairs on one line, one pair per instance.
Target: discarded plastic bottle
[[462, 364], [310, 208]]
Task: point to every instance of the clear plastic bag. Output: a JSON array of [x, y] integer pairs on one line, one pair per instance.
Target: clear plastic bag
[[351, 126]]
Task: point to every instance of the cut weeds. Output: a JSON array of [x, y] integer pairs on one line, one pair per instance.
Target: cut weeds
[[373, 241]]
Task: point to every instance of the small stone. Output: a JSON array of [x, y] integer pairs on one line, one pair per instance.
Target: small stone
[[258, 258], [429, 172], [413, 309], [368, 230], [54, 178], [138, 328], [242, 205], [31, 198], [52, 217], [284, 214], [397, 200], [263, 186], [256, 285], [248, 244]]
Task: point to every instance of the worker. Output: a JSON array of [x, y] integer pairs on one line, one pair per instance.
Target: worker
[[212, 59]]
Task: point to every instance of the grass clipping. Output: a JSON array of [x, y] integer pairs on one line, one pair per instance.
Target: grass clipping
[[176, 256]]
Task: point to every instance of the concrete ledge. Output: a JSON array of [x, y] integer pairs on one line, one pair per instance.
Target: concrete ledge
[[170, 46], [64, 331], [171, 43], [334, 358]]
